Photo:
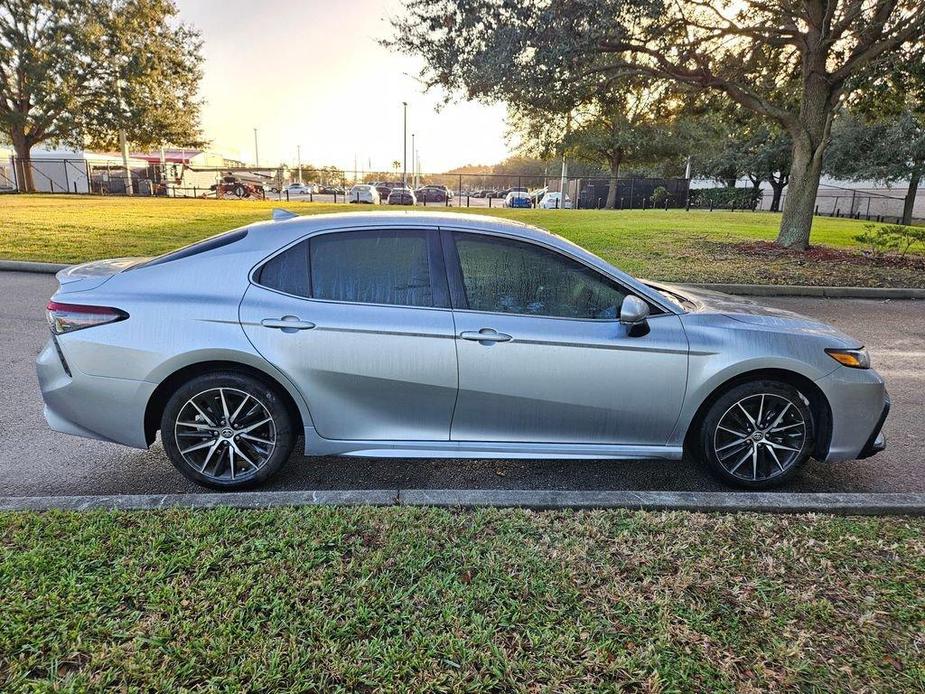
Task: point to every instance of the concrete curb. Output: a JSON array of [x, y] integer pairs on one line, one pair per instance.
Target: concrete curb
[[740, 289], [29, 266], [728, 502], [821, 292]]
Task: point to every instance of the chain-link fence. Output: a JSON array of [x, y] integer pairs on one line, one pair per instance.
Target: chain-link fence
[[108, 176]]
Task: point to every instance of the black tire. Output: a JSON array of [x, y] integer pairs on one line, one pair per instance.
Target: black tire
[[226, 467], [781, 448]]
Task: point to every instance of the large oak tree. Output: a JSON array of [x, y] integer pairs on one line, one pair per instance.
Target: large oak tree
[[77, 72], [792, 61]]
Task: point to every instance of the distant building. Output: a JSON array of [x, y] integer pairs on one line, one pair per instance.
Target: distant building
[[74, 171]]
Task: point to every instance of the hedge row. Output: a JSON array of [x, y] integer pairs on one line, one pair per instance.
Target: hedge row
[[725, 198]]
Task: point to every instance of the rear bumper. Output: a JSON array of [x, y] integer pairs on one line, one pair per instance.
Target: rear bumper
[[109, 409]]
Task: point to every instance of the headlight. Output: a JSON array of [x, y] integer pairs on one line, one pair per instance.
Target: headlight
[[852, 358]]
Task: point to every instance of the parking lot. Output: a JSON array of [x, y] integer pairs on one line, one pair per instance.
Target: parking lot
[[456, 201], [37, 461]]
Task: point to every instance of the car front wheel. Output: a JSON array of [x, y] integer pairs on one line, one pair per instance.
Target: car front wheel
[[757, 434], [227, 430]]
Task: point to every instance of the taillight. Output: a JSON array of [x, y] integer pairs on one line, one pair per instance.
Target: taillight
[[65, 318]]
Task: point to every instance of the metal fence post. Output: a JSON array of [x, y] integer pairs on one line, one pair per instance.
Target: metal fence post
[[287, 196]]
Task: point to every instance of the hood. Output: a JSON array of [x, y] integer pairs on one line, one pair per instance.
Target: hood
[[745, 310], [79, 278]]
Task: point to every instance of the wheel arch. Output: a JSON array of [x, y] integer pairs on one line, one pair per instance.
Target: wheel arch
[[169, 384], [818, 404]]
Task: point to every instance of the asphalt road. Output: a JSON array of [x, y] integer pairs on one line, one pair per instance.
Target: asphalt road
[[37, 461]]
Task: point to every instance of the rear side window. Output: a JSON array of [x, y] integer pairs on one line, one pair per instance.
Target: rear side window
[[373, 267], [209, 244], [389, 266], [288, 271]]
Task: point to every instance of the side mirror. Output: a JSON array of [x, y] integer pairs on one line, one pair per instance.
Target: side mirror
[[634, 311]]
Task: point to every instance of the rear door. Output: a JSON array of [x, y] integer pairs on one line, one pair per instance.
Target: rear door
[[543, 357], [360, 321]]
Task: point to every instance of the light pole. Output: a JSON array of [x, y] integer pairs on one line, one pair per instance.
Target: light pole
[[298, 156], [256, 151], [404, 145], [414, 175]]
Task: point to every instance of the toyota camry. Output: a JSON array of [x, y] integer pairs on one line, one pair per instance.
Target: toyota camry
[[416, 334]]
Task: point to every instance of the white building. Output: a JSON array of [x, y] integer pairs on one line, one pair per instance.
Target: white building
[[72, 171]]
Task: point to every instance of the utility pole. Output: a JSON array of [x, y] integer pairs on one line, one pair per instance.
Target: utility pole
[[298, 156], [256, 151], [414, 168], [404, 147], [563, 179]]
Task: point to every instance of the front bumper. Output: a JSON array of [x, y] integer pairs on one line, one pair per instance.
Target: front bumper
[[99, 407], [877, 441], [859, 404]]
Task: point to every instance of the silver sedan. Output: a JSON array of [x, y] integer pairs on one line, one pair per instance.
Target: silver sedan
[[440, 335]]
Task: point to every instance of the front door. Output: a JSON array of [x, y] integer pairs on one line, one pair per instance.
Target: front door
[[543, 357], [360, 322]]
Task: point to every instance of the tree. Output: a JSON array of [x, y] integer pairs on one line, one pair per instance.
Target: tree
[[79, 71], [737, 143], [617, 122], [887, 150], [883, 136], [792, 61]]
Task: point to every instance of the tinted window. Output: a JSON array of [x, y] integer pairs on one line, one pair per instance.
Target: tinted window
[[505, 276], [288, 271], [372, 267]]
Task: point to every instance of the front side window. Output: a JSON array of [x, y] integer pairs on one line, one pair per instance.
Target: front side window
[[372, 267], [507, 276]]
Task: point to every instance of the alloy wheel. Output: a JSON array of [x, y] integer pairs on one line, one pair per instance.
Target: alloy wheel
[[760, 437], [225, 434]]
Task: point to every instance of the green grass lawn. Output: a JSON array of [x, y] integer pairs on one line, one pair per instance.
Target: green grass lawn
[[413, 599], [694, 246]]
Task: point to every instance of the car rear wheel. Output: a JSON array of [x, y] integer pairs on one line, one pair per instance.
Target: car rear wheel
[[227, 430], [757, 434]]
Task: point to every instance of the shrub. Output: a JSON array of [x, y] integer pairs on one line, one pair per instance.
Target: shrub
[[659, 196], [725, 198], [890, 237]]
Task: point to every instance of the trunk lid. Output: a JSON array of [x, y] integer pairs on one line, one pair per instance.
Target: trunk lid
[[79, 278]]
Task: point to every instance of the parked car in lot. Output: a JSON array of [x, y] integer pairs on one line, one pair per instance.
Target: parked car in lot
[[554, 201], [362, 193], [431, 194], [518, 199], [402, 196], [331, 190], [299, 189], [420, 335], [383, 190]]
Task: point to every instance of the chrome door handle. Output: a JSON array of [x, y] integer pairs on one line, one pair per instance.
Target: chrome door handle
[[287, 323], [485, 335]]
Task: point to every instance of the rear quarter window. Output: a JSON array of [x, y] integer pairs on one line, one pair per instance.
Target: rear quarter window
[[209, 244]]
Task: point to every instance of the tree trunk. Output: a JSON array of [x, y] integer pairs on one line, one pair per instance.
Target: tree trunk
[[909, 202], [797, 220], [614, 175], [23, 148]]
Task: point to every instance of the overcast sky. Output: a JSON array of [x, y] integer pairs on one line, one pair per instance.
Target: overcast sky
[[311, 73]]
